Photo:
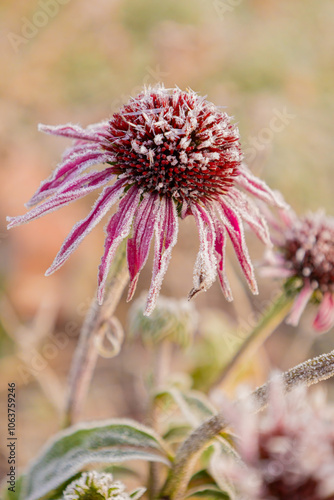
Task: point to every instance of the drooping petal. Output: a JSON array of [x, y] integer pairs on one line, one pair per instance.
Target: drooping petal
[[79, 147], [118, 228], [139, 245], [250, 214], [299, 304], [259, 188], [73, 131], [324, 319], [220, 246], [106, 200], [166, 230], [235, 230], [206, 264], [73, 166], [72, 191]]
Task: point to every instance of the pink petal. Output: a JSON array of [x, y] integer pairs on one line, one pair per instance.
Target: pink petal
[[324, 319], [139, 245], [299, 304], [166, 230], [71, 191], [118, 228], [220, 246], [80, 147], [108, 197], [251, 214], [234, 227], [206, 264], [259, 188], [101, 128], [73, 131], [74, 165]]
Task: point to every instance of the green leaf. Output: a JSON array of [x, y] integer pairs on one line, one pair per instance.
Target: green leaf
[[194, 406], [201, 478], [177, 433], [208, 491], [71, 451], [10, 495], [139, 492]]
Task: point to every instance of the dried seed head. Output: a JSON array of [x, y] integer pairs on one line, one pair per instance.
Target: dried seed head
[[176, 144]]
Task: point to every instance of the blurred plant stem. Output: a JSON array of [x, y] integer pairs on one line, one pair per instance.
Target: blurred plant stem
[[161, 366], [86, 354], [268, 322], [308, 373]]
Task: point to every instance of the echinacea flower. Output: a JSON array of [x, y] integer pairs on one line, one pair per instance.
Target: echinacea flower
[[286, 451], [305, 257], [167, 154], [99, 486]]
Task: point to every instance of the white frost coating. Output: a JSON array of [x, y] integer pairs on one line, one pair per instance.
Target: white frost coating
[[175, 145], [109, 441], [74, 190], [166, 222], [94, 217], [102, 483], [237, 237], [94, 157], [250, 214], [124, 227], [205, 269]]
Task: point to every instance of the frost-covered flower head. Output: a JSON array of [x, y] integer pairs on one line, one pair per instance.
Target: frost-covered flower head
[[287, 450], [168, 153], [305, 257], [99, 486]]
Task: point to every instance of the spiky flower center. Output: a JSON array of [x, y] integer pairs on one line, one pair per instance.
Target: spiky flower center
[[175, 144], [309, 251]]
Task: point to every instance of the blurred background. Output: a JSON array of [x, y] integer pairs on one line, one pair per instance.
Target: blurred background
[[78, 61]]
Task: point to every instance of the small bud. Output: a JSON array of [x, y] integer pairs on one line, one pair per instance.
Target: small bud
[[172, 319], [98, 486]]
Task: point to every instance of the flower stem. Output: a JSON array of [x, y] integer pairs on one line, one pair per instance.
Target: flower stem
[[310, 372], [268, 322], [307, 373], [161, 364], [187, 455], [86, 354]]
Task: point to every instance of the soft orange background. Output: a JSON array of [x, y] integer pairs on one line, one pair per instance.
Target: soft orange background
[[257, 58]]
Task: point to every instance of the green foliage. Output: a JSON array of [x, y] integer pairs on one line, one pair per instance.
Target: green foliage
[[81, 446], [208, 492], [9, 495]]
